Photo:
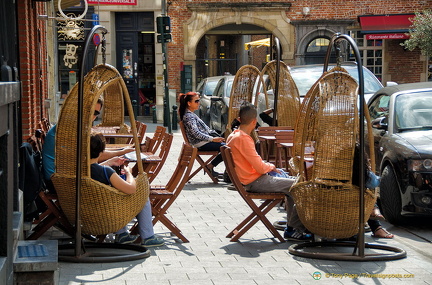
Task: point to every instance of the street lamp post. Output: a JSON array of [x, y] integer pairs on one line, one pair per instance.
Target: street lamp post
[[165, 37]]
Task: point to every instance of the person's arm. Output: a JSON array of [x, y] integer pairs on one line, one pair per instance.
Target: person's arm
[[114, 161], [107, 154], [248, 151], [127, 186], [266, 118]]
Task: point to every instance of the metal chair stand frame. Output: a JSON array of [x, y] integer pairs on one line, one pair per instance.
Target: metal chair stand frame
[[79, 251], [102, 252], [360, 245], [395, 252]]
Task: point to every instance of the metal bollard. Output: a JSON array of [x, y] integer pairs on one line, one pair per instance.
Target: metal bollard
[[174, 117], [154, 114], [135, 107]]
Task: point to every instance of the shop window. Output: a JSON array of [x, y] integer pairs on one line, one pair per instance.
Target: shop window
[[371, 52]]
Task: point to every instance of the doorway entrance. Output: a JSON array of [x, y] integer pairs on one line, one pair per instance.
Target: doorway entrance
[[135, 57]]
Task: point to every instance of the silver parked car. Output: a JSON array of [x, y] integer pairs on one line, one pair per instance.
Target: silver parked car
[[206, 88]]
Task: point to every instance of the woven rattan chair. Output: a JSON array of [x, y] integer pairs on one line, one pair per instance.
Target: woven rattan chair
[[288, 100], [103, 209], [113, 104], [243, 88], [328, 202], [304, 123]]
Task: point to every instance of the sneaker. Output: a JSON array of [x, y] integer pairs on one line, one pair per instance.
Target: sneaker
[[125, 238], [152, 241], [295, 235]]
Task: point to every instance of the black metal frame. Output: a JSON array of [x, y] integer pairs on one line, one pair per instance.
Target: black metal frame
[[81, 252], [397, 253]]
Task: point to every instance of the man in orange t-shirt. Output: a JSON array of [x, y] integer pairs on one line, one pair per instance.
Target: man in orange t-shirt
[[253, 171]]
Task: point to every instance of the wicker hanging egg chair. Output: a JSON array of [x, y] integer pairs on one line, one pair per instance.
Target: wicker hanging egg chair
[[242, 90], [288, 101], [327, 202], [103, 208]]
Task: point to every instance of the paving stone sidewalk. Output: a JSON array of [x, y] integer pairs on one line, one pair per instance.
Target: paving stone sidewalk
[[206, 212]]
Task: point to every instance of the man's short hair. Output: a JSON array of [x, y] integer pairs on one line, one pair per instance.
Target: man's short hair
[[247, 113]]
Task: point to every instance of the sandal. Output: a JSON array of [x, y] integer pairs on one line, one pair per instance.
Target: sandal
[[376, 214], [387, 234]]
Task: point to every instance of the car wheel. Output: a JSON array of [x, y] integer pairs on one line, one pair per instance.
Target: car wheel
[[390, 196]]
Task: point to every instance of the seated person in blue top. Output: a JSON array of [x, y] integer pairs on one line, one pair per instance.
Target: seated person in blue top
[[107, 175], [198, 133], [110, 158]]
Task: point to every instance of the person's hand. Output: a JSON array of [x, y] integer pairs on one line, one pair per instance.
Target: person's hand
[[275, 169], [116, 161], [128, 149], [218, 139]]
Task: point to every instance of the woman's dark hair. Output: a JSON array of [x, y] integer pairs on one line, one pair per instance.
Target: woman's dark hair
[[97, 144], [183, 99]]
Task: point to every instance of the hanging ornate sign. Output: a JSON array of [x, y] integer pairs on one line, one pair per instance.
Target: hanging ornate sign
[[70, 58], [112, 2], [71, 29]]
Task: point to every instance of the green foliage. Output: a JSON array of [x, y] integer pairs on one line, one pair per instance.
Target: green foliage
[[421, 33]]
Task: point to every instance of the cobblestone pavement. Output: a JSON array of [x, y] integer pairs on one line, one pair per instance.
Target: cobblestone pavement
[[206, 212]]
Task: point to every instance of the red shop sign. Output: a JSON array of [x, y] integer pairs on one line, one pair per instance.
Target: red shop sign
[[395, 36], [112, 2]]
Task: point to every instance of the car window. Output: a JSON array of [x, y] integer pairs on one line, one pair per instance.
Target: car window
[[305, 77], [228, 88], [210, 87], [379, 107], [218, 91], [413, 111]]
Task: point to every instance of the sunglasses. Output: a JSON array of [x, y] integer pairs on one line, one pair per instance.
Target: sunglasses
[[96, 113], [197, 101]]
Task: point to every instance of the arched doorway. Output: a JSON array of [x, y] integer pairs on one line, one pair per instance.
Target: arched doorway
[[223, 51], [221, 31]]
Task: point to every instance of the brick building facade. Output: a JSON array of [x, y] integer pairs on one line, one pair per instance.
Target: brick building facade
[[208, 39], [33, 64]]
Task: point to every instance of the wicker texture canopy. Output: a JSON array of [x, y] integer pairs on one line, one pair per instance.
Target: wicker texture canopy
[[328, 202], [103, 209]]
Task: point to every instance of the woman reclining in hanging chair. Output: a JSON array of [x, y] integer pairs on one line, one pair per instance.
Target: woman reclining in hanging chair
[[107, 175]]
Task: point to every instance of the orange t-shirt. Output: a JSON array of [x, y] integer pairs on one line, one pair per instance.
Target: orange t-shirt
[[249, 164]]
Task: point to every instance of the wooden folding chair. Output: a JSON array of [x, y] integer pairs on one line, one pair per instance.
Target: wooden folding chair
[[164, 149], [258, 212], [141, 130], [162, 197], [284, 143], [53, 214], [157, 139], [203, 163], [266, 136]]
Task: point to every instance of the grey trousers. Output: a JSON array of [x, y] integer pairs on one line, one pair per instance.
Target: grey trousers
[[267, 183]]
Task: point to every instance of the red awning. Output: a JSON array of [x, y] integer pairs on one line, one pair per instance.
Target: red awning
[[386, 24]]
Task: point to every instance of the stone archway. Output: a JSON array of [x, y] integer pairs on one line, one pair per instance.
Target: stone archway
[[205, 17]]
